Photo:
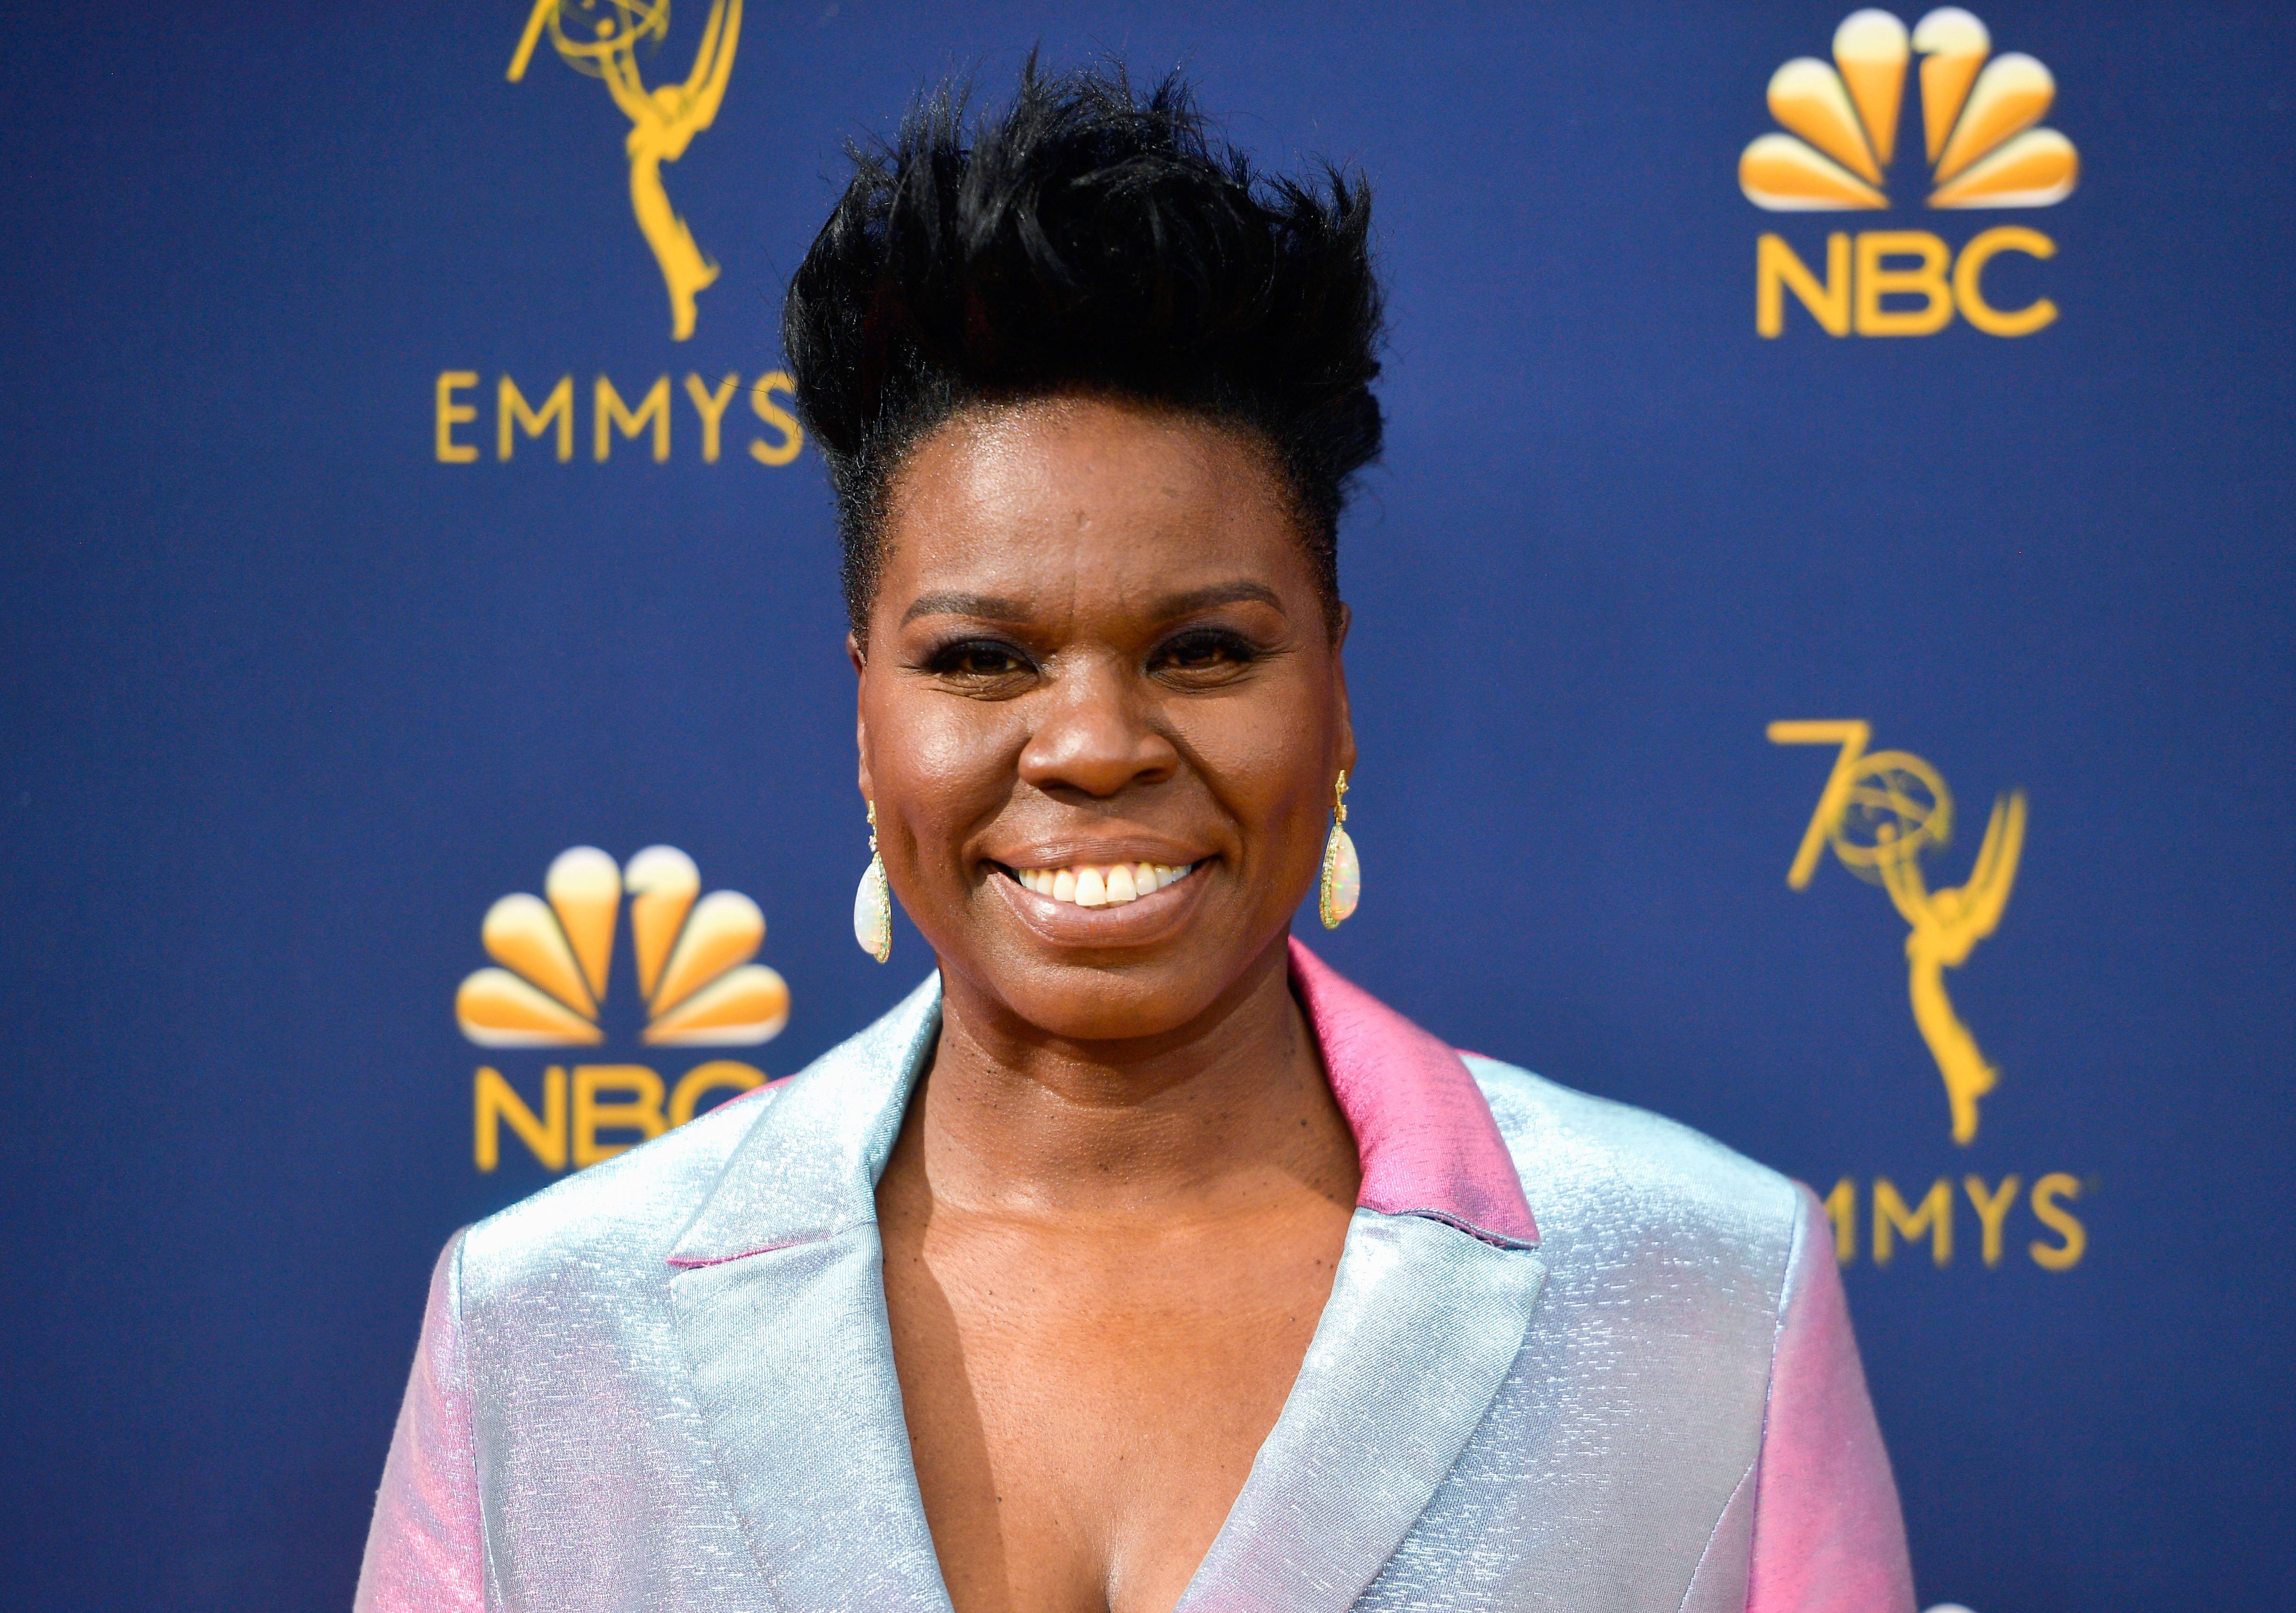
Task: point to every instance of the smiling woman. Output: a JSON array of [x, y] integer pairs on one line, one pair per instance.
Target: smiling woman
[[1096, 643], [1135, 1261]]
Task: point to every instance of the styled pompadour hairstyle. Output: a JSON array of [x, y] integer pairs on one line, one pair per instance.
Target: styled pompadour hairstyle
[[1085, 240]]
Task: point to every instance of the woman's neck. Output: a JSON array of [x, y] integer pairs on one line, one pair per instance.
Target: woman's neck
[[1210, 1118]]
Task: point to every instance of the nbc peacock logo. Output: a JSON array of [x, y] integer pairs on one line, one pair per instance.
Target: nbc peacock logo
[[697, 986], [1983, 147], [1979, 113]]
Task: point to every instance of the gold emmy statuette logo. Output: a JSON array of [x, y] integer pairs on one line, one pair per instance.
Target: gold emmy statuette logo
[[1978, 121], [1882, 811], [694, 958], [663, 121]]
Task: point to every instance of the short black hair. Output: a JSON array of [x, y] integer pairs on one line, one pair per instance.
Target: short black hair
[[1085, 239]]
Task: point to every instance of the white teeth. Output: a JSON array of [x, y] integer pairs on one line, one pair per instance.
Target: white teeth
[[1102, 887]]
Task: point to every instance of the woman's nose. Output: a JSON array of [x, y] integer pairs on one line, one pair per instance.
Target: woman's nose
[[1095, 734]]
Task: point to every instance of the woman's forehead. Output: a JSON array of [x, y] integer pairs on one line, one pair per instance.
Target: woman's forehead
[[1044, 500]]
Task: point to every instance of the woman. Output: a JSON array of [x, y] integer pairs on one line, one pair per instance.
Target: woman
[[1135, 1260]]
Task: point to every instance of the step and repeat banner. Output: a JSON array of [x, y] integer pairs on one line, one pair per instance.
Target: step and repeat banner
[[1822, 661]]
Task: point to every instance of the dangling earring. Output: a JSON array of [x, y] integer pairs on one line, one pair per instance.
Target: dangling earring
[[1343, 874], [873, 904]]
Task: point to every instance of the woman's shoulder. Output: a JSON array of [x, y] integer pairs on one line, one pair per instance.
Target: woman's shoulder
[[1594, 1168]]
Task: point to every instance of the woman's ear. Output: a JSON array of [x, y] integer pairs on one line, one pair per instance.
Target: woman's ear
[[1340, 680], [860, 659]]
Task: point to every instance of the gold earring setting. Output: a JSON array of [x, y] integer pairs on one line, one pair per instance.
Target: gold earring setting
[[1342, 883], [873, 903]]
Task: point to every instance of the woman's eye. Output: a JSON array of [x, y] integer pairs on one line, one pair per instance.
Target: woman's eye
[[1205, 653], [978, 658]]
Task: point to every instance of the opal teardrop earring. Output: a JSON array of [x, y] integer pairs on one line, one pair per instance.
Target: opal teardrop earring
[[1342, 886], [873, 904]]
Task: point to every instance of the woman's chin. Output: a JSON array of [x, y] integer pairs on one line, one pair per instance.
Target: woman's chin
[[1103, 1006]]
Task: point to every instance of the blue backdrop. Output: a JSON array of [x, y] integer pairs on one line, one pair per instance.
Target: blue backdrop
[[288, 700]]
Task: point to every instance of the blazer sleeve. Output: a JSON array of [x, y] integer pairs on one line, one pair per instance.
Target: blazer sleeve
[[1828, 1535], [425, 1552]]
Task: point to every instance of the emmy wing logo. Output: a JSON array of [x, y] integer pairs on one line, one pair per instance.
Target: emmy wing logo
[[1882, 811], [605, 39], [1978, 121], [602, 40]]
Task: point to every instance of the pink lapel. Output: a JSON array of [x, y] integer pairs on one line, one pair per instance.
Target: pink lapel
[[1429, 1144]]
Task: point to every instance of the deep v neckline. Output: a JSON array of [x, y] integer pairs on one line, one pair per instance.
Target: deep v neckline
[[779, 1305]]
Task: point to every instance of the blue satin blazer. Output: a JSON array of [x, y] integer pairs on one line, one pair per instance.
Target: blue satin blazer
[[1576, 1358]]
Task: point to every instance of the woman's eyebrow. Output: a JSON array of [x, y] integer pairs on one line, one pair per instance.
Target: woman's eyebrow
[[991, 608], [1218, 594], [988, 607]]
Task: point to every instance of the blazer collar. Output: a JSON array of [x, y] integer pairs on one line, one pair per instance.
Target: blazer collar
[[1428, 1143], [808, 1171], [780, 1311], [1428, 1312], [1422, 1327], [779, 1308]]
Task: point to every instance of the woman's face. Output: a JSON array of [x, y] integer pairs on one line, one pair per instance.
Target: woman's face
[[1096, 642]]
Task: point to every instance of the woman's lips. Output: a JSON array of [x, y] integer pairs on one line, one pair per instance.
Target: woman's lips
[[1102, 884], [1147, 917]]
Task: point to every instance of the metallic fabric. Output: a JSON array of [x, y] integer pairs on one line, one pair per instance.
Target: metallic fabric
[[1820, 1445], [668, 1383]]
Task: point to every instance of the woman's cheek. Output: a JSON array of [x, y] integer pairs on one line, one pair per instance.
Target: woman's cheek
[[1265, 756], [952, 760]]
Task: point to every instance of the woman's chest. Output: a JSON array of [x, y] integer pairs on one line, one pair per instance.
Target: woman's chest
[[1083, 1409]]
